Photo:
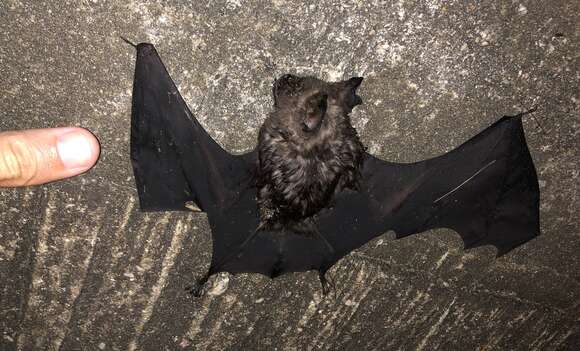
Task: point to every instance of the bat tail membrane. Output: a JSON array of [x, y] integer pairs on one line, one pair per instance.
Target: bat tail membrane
[[177, 165]]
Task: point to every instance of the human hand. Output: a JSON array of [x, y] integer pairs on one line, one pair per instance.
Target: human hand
[[37, 156]]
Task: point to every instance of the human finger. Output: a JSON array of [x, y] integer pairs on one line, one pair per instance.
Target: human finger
[[38, 156]]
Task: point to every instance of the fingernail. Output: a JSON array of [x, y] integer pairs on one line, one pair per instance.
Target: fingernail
[[74, 150]]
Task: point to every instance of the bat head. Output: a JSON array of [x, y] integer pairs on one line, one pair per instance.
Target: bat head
[[309, 104]]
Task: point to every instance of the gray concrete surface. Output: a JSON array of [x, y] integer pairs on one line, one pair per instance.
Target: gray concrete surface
[[81, 268]]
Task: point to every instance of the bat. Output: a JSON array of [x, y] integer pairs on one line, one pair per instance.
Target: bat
[[486, 189]]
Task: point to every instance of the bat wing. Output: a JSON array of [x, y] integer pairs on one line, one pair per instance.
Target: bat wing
[[175, 162], [486, 190]]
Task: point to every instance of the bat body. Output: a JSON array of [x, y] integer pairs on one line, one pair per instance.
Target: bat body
[[308, 151], [486, 189]]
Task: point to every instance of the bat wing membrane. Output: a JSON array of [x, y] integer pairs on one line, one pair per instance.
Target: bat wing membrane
[[176, 163], [486, 190]]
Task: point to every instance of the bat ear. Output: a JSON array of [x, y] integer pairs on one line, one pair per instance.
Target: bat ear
[[354, 82], [286, 85], [348, 92], [314, 111]]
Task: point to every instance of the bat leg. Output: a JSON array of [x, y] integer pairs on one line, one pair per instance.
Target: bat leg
[[197, 288], [312, 228]]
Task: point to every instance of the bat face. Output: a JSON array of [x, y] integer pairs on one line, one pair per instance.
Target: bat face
[[308, 149], [304, 103]]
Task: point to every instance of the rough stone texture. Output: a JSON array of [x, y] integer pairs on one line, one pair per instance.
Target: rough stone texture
[[82, 268]]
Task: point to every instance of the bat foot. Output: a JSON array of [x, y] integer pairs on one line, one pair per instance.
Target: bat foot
[[197, 289]]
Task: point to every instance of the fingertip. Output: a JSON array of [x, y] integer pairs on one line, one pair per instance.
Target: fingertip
[[78, 149], [94, 145]]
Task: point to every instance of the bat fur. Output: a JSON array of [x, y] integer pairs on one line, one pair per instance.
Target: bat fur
[[307, 150]]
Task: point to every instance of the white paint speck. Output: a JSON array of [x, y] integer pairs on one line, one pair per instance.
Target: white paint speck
[[343, 37], [233, 4], [401, 10], [335, 73], [390, 52], [442, 259]]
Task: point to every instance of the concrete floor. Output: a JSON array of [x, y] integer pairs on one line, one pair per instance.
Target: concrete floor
[[83, 269]]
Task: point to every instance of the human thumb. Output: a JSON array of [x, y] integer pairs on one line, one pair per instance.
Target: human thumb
[[38, 156]]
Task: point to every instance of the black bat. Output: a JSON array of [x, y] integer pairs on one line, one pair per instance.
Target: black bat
[[486, 189]]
